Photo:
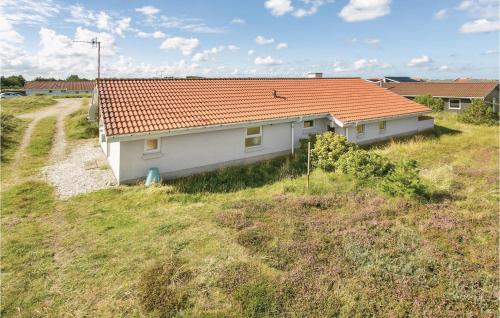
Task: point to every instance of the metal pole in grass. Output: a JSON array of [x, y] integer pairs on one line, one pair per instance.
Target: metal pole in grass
[[308, 162]]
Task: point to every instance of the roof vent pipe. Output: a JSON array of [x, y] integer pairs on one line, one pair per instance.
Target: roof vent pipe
[[315, 75], [274, 93]]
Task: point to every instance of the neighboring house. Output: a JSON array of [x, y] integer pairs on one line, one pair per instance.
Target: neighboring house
[[394, 79], [59, 87], [457, 96], [187, 126]]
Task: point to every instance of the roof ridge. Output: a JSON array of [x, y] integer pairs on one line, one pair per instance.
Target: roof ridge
[[220, 78]]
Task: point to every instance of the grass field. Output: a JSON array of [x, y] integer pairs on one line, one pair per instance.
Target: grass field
[[39, 147], [266, 249], [26, 104], [77, 126]]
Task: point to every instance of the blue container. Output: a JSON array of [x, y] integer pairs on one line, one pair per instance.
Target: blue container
[[153, 176]]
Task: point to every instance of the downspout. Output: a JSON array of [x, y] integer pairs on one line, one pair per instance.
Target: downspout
[[293, 137], [347, 133]]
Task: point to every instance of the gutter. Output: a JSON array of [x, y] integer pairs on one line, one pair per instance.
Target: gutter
[[367, 121]]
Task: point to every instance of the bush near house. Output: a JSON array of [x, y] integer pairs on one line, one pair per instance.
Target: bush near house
[[478, 113], [363, 164], [328, 148], [436, 104]]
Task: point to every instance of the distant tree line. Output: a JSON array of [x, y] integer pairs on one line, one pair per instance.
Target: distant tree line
[[17, 81]]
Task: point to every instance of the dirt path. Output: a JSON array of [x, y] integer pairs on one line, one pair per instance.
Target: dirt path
[[61, 109]]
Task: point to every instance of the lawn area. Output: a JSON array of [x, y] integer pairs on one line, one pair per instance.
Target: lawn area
[[209, 246], [26, 104], [77, 126], [38, 149]]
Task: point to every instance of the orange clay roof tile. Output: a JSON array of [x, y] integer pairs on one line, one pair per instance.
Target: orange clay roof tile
[[460, 89], [148, 105]]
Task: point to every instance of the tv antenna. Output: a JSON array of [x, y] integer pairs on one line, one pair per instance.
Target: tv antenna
[[95, 43]]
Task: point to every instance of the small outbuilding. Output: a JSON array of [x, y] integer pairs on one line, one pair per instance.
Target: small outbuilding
[[59, 87], [188, 126]]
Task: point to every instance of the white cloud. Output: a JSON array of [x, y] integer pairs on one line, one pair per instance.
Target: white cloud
[[155, 35], [367, 41], [263, 41], [282, 45], [480, 8], [441, 14], [185, 45], [8, 34], [238, 21], [313, 9], [279, 7], [420, 61], [491, 52], [190, 25], [363, 64], [101, 20], [148, 10], [267, 61], [122, 25], [362, 10], [32, 12], [444, 68], [251, 52], [233, 48], [480, 26], [204, 56]]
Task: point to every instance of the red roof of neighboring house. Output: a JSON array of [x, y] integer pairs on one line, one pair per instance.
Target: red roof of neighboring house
[[456, 89], [131, 106], [62, 85]]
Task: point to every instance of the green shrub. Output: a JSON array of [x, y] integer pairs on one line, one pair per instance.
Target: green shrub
[[478, 113], [328, 148], [404, 181], [436, 104], [363, 164], [162, 288], [8, 125]]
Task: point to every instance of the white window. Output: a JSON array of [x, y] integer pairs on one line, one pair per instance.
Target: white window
[[151, 145], [253, 137], [360, 129], [308, 124], [455, 104], [382, 125]]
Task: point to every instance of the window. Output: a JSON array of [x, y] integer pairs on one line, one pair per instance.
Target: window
[[151, 145], [308, 124], [360, 129], [455, 104], [51, 91], [77, 92], [253, 137], [381, 125]]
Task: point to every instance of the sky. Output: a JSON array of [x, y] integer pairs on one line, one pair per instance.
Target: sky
[[441, 39]]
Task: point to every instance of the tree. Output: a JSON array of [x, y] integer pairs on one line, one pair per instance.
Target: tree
[[436, 104], [478, 113], [74, 77], [13, 81], [328, 148]]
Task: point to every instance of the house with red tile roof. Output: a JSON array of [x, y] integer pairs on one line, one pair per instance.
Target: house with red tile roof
[[59, 87], [187, 126], [457, 96]]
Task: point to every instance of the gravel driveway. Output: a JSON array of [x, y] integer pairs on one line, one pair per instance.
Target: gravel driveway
[[84, 170]]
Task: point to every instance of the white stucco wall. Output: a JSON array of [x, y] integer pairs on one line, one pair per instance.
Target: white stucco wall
[[186, 154], [55, 91], [394, 127]]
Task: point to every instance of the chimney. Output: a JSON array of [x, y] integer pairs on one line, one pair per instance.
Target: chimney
[[314, 75]]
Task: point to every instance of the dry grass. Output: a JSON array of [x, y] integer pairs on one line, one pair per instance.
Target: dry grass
[[269, 250]]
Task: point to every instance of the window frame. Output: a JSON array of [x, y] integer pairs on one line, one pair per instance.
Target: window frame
[[459, 103], [310, 127], [357, 130], [252, 136], [384, 122], [149, 151]]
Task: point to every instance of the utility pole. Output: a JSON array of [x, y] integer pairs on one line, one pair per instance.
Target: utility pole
[[95, 43]]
